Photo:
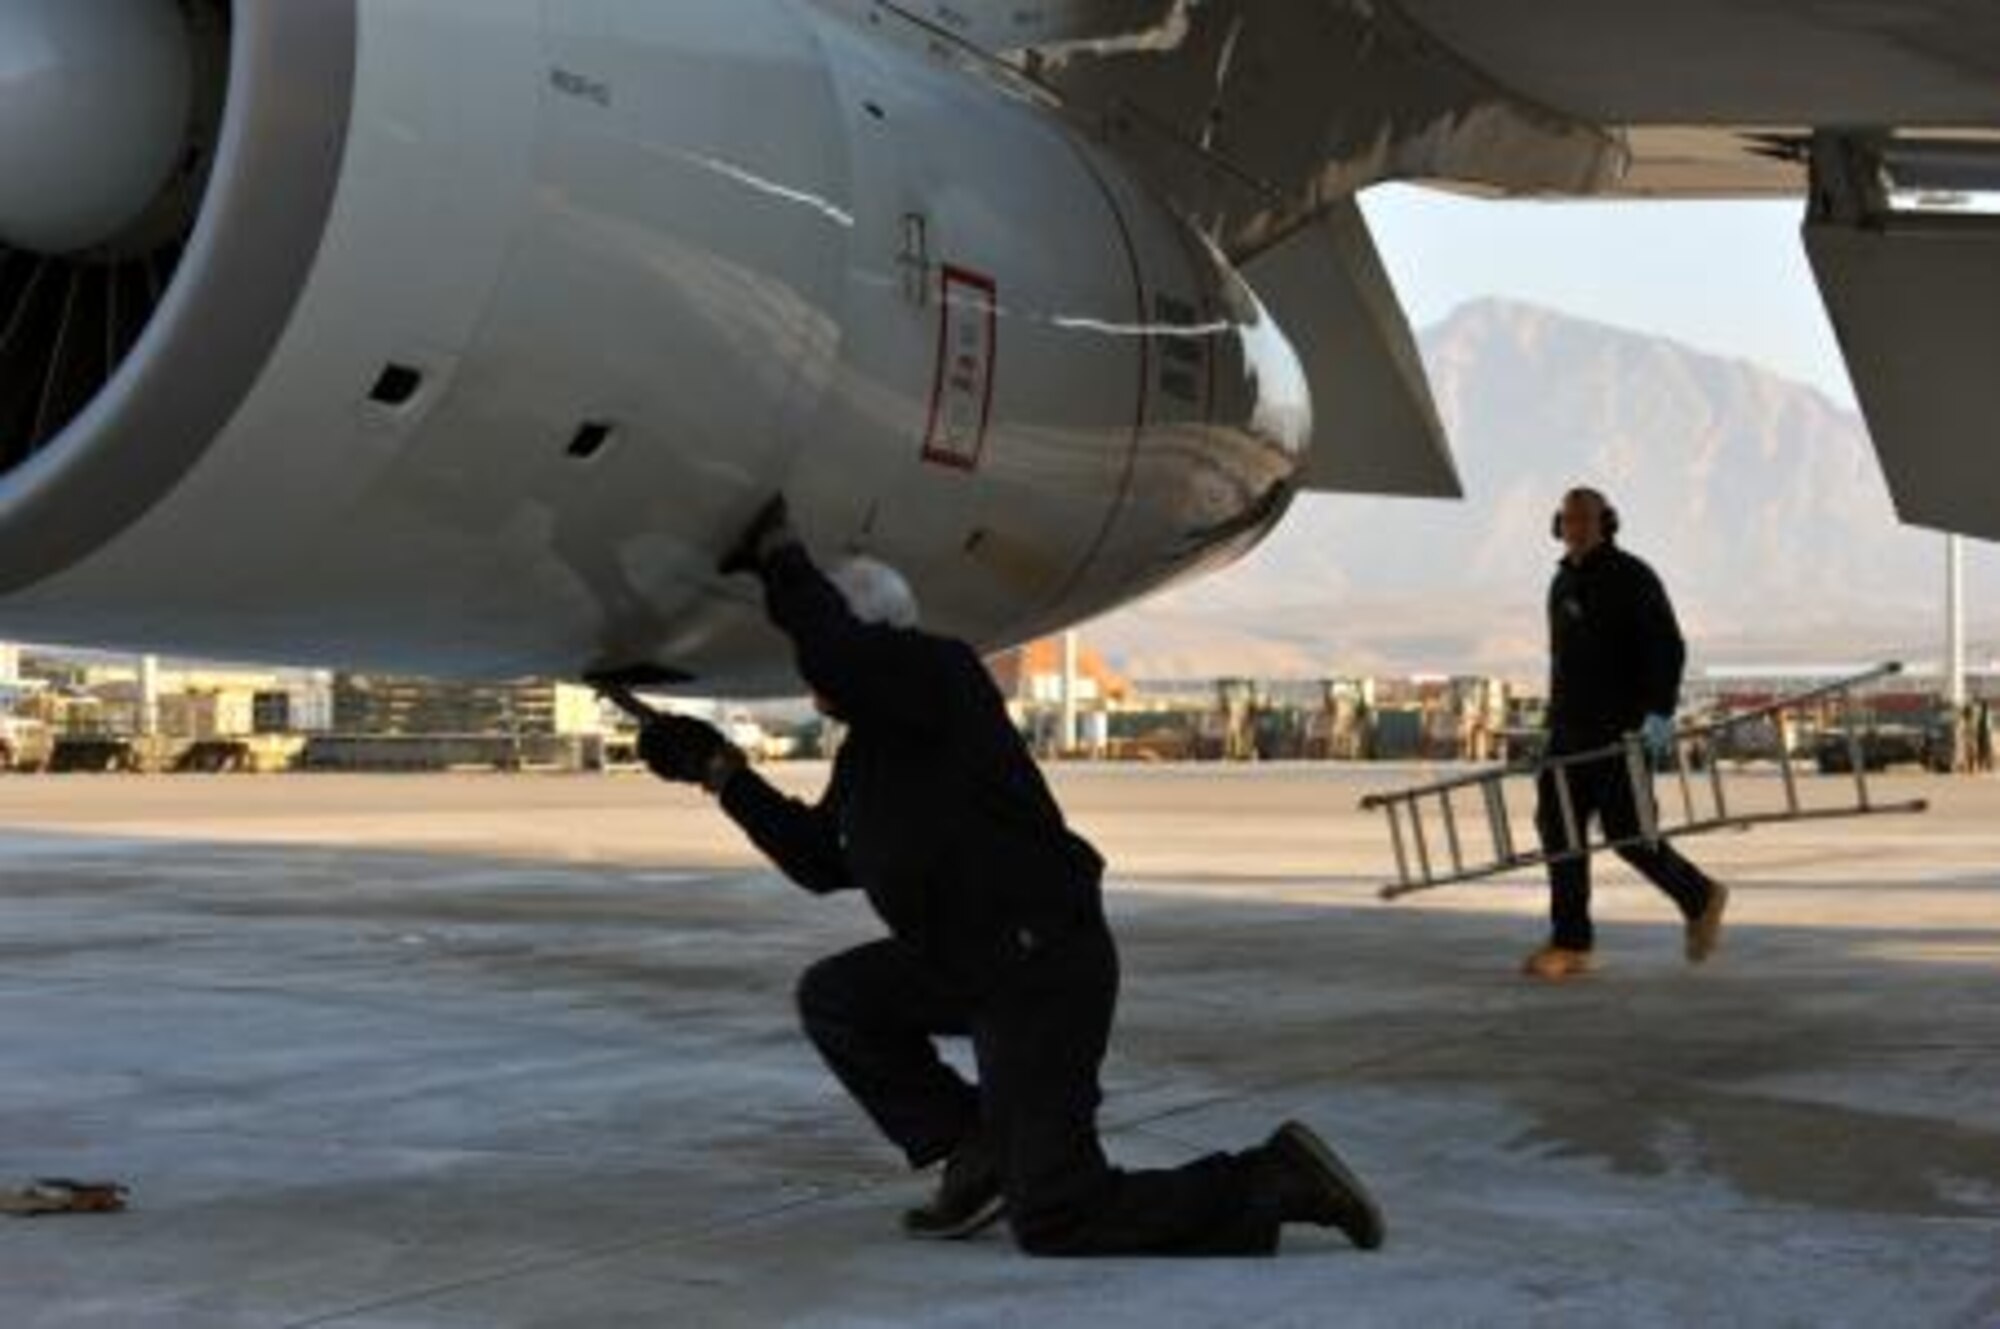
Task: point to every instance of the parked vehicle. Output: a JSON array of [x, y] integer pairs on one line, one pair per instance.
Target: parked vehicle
[[1884, 746], [93, 755], [24, 745]]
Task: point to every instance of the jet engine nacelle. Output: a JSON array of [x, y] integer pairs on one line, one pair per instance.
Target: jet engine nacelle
[[462, 337]]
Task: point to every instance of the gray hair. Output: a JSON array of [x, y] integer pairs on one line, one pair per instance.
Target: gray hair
[[876, 593]]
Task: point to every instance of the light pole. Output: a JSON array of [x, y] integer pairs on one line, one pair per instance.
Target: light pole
[[149, 696], [1071, 650], [1954, 596]]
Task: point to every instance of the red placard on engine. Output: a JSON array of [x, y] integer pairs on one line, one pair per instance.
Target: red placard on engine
[[968, 350]]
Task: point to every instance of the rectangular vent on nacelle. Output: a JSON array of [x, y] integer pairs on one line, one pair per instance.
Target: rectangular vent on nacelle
[[591, 440], [397, 386]]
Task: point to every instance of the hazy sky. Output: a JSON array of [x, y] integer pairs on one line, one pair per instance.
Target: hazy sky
[[1730, 278]]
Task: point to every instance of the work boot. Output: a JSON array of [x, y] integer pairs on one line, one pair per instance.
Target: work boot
[[1557, 964], [969, 1197], [1704, 931], [1312, 1185]]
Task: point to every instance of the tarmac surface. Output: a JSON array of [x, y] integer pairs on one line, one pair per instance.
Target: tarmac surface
[[490, 1051]]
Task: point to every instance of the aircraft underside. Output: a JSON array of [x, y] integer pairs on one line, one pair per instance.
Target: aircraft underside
[[462, 337]]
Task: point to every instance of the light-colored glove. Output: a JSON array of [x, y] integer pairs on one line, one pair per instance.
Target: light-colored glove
[[1658, 734]]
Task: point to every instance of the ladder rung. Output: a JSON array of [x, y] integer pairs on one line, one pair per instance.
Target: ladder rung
[[1497, 820], [1687, 785], [1573, 840], [1396, 838], [1639, 772], [1857, 757], [1451, 832]]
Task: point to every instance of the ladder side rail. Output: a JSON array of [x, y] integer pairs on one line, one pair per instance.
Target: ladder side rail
[[1521, 862], [1842, 689], [1750, 820], [1480, 872], [1912, 808], [1371, 802]]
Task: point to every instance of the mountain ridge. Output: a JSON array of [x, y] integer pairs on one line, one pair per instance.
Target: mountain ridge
[[1757, 498]]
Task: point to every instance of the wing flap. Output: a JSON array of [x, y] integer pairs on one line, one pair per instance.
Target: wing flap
[[1327, 288], [1915, 301]]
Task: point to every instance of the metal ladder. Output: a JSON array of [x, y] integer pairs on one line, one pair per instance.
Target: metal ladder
[[1416, 815]]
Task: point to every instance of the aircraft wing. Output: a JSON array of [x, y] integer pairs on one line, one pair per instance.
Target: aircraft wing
[[1262, 118], [1299, 102], [1008, 26], [1704, 86]]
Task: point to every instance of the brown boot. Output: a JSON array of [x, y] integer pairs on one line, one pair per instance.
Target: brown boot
[[1704, 931], [1557, 964]]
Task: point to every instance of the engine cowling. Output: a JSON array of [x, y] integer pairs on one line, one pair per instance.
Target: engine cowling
[[492, 321]]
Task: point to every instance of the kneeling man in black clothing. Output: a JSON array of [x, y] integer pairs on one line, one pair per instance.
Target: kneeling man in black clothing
[[937, 811]]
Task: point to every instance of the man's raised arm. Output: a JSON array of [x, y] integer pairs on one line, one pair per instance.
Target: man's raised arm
[[803, 840], [866, 673]]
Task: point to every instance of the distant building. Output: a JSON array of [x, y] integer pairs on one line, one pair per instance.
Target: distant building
[[195, 703], [271, 713], [202, 716], [382, 706], [1031, 680], [1032, 677], [310, 704]]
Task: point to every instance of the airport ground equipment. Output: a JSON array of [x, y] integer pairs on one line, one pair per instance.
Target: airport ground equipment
[[1433, 828], [61, 1195]]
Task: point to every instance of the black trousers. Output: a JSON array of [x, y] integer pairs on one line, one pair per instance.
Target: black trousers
[[1039, 1034], [1603, 790]]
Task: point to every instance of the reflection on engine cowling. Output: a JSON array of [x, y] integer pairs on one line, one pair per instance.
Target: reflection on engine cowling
[[742, 246]]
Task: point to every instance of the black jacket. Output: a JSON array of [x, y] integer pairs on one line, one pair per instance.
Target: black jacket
[[1615, 650], [935, 808]]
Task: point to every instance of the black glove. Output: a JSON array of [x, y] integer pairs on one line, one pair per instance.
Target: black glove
[[687, 751], [770, 532]]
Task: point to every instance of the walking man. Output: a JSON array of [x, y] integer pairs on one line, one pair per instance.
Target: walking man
[[1616, 658], [997, 933]]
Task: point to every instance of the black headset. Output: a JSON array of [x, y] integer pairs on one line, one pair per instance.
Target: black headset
[[1609, 520]]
